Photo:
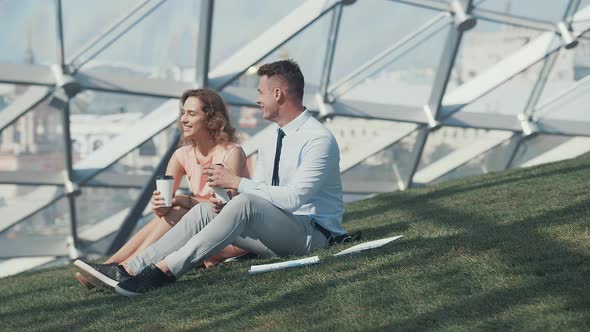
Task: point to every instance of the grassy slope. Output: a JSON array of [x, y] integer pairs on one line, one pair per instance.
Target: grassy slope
[[501, 251]]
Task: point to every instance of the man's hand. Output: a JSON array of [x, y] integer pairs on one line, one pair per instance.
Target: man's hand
[[183, 201], [158, 204], [216, 204], [219, 176]]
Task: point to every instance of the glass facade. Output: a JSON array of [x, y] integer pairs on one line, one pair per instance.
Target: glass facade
[[413, 92]]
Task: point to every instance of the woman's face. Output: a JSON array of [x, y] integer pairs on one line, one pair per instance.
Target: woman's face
[[193, 118]]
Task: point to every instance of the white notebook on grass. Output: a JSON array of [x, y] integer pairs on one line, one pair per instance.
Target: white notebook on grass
[[368, 245]]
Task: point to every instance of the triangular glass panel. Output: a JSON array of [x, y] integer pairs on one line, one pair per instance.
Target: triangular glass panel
[[105, 200], [547, 10], [298, 48], [97, 117], [153, 49], [494, 160], [10, 93], [85, 21], [511, 97], [97, 204], [567, 86], [248, 122], [143, 159], [28, 32], [102, 245], [536, 146], [450, 147], [407, 78], [381, 168], [355, 46], [43, 234], [34, 142], [482, 47], [252, 18]]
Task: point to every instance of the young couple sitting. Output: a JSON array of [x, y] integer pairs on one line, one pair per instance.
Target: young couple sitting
[[291, 205]]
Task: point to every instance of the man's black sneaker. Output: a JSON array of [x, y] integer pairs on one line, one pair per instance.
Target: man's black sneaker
[[150, 278], [103, 275]]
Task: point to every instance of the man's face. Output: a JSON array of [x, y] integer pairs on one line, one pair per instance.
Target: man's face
[[267, 98]]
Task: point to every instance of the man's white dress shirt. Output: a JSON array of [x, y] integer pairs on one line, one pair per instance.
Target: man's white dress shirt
[[309, 173]]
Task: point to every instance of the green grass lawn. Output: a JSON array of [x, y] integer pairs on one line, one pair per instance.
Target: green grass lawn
[[508, 251]]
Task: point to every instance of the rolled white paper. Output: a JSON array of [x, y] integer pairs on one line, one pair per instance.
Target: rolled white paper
[[255, 269]]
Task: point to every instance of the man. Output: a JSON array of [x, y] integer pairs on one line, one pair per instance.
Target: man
[[291, 206]]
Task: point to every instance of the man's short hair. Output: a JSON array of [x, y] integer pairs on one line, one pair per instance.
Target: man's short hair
[[289, 71]]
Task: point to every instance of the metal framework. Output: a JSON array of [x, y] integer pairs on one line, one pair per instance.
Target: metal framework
[[61, 82]]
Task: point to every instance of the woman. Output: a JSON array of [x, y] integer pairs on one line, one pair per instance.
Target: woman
[[207, 138]]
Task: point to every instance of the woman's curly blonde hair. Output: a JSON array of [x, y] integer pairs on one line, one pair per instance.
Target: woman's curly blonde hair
[[217, 122]]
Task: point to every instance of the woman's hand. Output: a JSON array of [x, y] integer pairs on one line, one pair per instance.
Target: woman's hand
[[183, 201], [158, 204], [216, 203]]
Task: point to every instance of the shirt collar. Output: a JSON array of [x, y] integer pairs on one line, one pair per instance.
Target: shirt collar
[[296, 123]]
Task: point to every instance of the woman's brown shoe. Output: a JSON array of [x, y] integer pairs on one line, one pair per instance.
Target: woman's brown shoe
[[83, 281]]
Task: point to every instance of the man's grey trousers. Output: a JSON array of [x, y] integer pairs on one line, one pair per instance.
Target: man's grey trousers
[[247, 221]]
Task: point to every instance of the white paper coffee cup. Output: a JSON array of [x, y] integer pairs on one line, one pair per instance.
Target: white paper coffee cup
[[164, 184], [221, 194]]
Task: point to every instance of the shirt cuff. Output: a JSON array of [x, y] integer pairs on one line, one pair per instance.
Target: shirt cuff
[[246, 185]]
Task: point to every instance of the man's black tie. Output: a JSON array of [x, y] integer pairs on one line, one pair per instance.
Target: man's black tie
[[275, 170]]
